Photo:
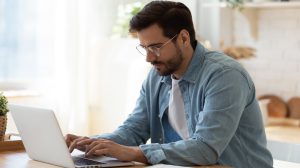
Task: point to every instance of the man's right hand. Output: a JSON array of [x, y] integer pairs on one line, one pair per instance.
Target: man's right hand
[[73, 140]]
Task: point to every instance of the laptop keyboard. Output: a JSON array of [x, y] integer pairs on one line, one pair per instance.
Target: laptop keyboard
[[78, 161]]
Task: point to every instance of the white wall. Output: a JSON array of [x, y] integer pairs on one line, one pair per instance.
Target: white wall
[[276, 68]]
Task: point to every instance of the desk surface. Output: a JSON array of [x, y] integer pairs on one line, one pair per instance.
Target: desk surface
[[19, 158], [283, 133]]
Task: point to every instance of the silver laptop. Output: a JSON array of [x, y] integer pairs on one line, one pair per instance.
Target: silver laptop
[[44, 142]]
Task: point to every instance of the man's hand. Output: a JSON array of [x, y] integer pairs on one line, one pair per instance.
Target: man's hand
[[73, 140], [104, 147], [112, 149]]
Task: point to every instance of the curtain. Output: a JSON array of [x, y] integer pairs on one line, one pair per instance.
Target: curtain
[[74, 65], [94, 86]]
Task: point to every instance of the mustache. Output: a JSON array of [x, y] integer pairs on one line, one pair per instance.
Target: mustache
[[155, 62]]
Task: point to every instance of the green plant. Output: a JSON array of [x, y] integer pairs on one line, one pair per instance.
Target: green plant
[[235, 3], [3, 105], [125, 13]]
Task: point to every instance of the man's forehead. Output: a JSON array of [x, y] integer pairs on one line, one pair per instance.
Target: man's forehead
[[150, 35]]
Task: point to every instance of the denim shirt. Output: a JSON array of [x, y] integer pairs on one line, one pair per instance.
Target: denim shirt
[[223, 117]]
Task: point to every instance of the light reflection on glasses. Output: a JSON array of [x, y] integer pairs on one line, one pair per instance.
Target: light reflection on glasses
[[153, 49]]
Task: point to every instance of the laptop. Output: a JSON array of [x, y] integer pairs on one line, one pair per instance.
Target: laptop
[[44, 141]]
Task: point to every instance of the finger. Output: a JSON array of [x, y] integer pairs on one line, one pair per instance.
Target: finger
[[74, 145], [101, 152], [80, 143], [94, 147], [85, 141], [69, 138]]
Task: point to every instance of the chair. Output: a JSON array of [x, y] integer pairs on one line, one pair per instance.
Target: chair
[[284, 151]]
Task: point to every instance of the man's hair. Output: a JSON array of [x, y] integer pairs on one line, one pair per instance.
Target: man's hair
[[172, 17]]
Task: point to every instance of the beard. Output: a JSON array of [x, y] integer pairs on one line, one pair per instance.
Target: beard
[[169, 67]]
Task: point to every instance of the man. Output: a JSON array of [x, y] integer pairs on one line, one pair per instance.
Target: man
[[197, 106]]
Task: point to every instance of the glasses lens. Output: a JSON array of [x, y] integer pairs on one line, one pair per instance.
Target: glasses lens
[[154, 50], [142, 50]]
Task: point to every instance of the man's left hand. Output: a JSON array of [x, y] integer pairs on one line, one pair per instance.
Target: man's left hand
[[112, 149]]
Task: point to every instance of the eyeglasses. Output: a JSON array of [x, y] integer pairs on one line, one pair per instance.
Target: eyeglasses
[[153, 49]]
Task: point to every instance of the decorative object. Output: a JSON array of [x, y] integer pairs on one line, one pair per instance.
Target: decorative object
[[294, 107], [276, 107], [239, 52], [3, 116]]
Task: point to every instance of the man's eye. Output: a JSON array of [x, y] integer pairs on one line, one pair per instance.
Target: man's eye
[[154, 47]]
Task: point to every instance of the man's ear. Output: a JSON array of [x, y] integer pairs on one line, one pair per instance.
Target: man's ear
[[184, 37]]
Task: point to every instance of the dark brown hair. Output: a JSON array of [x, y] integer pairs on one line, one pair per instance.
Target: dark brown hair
[[172, 17]]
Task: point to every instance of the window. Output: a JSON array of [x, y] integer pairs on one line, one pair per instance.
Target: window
[[18, 40]]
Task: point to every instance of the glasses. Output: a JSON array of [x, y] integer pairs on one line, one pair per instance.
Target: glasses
[[153, 49]]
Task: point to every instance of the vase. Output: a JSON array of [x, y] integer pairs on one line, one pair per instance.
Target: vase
[[3, 123]]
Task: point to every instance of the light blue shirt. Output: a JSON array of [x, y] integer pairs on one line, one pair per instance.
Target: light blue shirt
[[223, 117]]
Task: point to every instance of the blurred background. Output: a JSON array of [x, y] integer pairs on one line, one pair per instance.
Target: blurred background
[[76, 56]]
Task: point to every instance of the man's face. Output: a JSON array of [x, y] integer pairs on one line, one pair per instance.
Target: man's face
[[170, 56]]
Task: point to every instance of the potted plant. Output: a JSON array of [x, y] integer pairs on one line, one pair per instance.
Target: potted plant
[[3, 116]]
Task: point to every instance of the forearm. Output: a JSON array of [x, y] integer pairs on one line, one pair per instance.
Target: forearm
[[184, 153], [139, 155]]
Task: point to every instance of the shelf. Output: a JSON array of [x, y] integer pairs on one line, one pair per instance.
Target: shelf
[[250, 10], [259, 5], [273, 5]]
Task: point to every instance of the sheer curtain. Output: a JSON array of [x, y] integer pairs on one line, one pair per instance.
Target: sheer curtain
[[92, 73], [80, 29], [84, 74], [62, 37], [66, 33], [90, 79]]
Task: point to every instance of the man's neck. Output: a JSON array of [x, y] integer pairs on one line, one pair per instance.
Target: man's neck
[[188, 54]]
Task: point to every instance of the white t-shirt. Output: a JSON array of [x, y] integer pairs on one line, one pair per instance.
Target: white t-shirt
[[176, 111]]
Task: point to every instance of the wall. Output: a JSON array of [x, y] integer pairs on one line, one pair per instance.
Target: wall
[[276, 67]]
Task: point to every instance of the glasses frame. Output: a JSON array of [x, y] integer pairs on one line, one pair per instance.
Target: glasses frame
[[153, 49]]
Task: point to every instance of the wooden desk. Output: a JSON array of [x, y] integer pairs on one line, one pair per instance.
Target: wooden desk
[[19, 159], [283, 133]]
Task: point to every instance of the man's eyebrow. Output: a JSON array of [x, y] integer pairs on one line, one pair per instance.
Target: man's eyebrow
[[154, 44]]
